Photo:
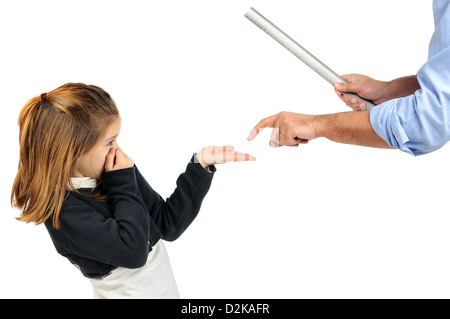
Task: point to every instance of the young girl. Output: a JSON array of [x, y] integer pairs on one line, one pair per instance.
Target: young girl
[[99, 210]]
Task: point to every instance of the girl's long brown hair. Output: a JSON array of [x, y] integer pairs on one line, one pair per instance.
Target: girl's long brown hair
[[55, 130]]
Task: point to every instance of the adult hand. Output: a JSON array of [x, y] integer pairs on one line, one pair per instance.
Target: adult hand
[[116, 159], [365, 87], [221, 154], [290, 129]]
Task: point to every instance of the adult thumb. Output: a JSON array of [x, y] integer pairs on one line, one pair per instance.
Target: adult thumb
[[347, 87]]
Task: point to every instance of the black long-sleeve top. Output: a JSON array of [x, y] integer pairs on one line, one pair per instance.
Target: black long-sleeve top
[[99, 236]]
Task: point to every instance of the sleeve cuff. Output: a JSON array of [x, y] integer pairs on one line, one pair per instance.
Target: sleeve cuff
[[386, 124], [199, 167], [125, 179]]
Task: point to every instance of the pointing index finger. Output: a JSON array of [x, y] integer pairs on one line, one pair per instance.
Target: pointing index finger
[[267, 122]]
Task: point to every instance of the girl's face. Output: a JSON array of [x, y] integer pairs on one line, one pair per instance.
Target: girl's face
[[92, 164]]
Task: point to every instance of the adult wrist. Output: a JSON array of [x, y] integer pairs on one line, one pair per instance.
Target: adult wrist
[[402, 87], [318, 125], [390, 90]]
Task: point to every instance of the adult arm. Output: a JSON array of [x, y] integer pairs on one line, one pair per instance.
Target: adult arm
[[416, 124], [292, 129]]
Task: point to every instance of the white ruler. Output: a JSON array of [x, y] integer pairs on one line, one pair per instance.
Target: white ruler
[[299, 51]]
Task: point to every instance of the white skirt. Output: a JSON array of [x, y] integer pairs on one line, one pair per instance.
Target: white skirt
[[154, 280]]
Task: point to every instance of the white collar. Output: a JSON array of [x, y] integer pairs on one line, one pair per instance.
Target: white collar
[[83, 182]]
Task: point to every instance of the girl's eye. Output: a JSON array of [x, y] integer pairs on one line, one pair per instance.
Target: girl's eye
[[110, 143]]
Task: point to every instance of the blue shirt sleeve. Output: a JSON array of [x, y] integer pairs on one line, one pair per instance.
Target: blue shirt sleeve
[[420, 123]]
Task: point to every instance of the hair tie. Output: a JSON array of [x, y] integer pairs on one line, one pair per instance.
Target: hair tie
[[44, 97]]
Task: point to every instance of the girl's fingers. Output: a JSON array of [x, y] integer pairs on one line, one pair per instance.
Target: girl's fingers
[[109, 163], [222, 154], [116, 159], [238, 157], [228, 148], [119, 154], [224, 150]]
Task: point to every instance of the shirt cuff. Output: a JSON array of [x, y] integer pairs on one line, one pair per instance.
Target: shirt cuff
[[386, 123]]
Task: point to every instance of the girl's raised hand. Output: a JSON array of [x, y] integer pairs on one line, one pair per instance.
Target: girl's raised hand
[[221, 154], [117, 159]]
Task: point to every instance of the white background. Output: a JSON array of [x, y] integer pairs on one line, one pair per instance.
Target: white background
[[323, 220]]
